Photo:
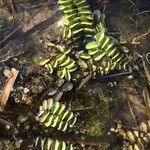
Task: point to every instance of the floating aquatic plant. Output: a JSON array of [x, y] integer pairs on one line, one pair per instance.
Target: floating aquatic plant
[[56, 115]]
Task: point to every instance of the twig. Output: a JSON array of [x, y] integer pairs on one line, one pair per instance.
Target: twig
[[116, 75], [82, 109], [143, 12], [31, 7], [4, 122], [131, 111], [25, 22], [147, 72], [147, 59], [138, 38], [136, 9], [7, 89], [28, 8], [84, 82], [146, 96]]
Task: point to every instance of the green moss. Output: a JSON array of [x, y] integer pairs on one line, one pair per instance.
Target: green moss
[[94, 127]]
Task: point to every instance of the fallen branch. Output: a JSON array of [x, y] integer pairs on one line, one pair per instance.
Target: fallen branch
[[7, 89]]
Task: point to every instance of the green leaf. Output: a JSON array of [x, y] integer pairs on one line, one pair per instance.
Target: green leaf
[[69, 116], [49, 68], [62, 73], [67, 51], [55, 121], [56, 145], [85, 7], [99, 17], [49, 143], [63, 59], [49, 103], [63, 126], [63, 116], [116, 55], [73, 68], [64, 2], [99, 37], [84, 12], [61, 109], [70, 64], [73, 121], [109, 46], [99, 55], [92, 45], [101, 70], [43, 117], [55, 107], [111, 51], [121, 57], [58, 116], [93, 67], [92, 51], [54, 63], [77, 31], [105, 41], [100, 27], [113, 66], [49, 120], [60, 57], [50, 44], [65, 62], [77, 19], [85, 56], [70, 11], [43, 61], [63, 146], [70, 147], [90, 30], [83, 64], [87, 17], [65, 21], [76, 24], [66, 33], [86, 23], [80, 3], [60, 48], [68, 75], [70, 17]]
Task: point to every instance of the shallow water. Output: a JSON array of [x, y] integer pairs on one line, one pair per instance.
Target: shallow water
[[100, 102]]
